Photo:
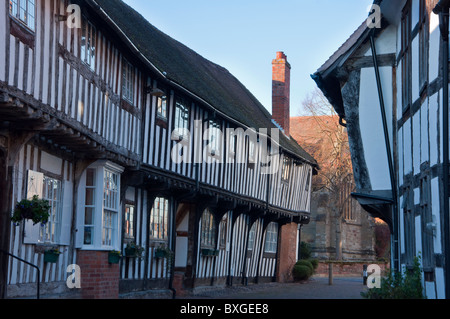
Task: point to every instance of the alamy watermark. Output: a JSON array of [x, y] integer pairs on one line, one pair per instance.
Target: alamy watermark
[[373, 275], [234, 146], [374, 19], [74, 279]]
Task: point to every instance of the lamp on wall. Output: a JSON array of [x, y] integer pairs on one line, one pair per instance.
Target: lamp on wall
[[155, 92]]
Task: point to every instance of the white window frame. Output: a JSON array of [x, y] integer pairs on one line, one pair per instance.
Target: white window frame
[[51, 231], [105, 236], [24, 11], [271, 240], [181, 119]]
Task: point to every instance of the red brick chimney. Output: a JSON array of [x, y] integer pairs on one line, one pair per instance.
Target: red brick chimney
[[281, 91]]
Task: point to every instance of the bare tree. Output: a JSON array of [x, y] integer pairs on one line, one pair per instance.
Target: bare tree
[[327, 141]]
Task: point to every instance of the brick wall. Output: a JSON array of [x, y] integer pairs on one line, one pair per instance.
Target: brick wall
[[281, 88], [99, 279], [287, 256]]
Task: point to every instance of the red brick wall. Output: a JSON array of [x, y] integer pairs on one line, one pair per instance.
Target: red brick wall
[[287, 256], [99, 279]]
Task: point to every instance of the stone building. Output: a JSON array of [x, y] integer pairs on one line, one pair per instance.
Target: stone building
[[339, 228]]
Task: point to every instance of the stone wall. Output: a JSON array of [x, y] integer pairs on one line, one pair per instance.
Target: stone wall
[[346, 269], [334, 237]]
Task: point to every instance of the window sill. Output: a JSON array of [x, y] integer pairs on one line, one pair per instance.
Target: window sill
[[162, 122], [22, 32]]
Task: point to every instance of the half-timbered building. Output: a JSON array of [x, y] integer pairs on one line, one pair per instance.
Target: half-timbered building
[[389, 84], [126, 133]]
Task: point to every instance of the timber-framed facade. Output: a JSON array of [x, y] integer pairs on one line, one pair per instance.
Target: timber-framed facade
[[93, 102], [392, 79]]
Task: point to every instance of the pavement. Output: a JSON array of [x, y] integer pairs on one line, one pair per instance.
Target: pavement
[[315, 288]]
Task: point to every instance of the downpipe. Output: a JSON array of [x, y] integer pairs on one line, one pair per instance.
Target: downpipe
[[396, 259]]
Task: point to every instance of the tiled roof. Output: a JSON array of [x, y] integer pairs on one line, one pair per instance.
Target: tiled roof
[[199, 76]]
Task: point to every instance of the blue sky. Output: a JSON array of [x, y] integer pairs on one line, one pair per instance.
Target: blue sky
[[243, 36]]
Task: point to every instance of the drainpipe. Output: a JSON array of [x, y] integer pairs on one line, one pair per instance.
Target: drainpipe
[[396, 259], [442, 9], [445, 28]]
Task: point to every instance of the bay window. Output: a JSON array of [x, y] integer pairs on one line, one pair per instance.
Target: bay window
[[102, 206]]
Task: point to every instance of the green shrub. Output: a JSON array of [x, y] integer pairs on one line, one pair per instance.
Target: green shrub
[[315, 263], [306, 263], [301, 272], [399, 285], [305, 251]]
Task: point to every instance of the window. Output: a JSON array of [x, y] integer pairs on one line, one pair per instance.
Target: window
[[286, 169], [409, 224], [52, 192], [102, 206], [347, 203], [215, 138], [89, 206], [88, 44], [24, 11], [423, 45], [159, 219], [223, 227], [127, 81], [57, 230], [406, 56], [110, 206], [162, 107], [251, 237], [208, 230], [427, 225], [251, 151], [271, 241], [181, 118], [129, 221]]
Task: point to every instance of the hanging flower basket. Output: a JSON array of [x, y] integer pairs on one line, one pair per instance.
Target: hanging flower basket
[[51, 256], [163, 252], [36, 210], [114, 257], [133, 251]]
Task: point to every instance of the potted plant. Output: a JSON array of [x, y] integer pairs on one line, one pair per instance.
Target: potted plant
[[114, 257], [51, 256], [35, 209], [163, 252], [133, 250], [208, 252]]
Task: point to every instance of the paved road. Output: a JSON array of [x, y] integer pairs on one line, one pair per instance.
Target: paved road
[[315, 288]]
